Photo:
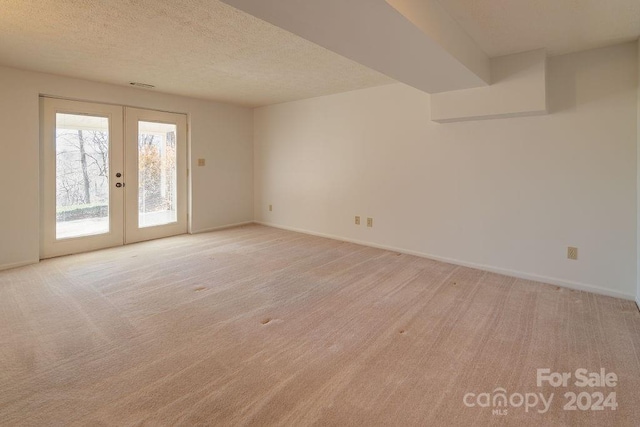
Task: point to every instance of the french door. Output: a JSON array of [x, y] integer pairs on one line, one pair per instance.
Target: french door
[[111, 175]]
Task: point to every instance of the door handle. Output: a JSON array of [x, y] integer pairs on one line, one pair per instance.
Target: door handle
[[118, 184]]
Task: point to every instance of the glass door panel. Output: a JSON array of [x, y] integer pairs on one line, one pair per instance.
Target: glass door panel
[[82, 175], [157, 178]]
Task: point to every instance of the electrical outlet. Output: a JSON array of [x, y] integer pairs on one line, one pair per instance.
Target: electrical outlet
[[369, 222], [357, 220], [200, 162], [270, 208], [572, 253]]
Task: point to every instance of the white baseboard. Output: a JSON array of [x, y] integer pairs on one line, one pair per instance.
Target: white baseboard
[[18, 264], [513, 273], [222, 227]]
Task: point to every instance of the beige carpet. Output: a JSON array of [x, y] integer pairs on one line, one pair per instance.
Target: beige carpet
[[261, 326]]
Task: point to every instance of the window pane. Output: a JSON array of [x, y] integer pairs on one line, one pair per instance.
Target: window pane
[[82, 175], [157, 181]]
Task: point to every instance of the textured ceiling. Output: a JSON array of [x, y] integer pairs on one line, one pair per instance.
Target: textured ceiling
[[207, 49], [501, 27], [200, 48]]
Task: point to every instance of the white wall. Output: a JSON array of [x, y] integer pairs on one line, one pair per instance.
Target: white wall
[[222, 191], [509, 194]]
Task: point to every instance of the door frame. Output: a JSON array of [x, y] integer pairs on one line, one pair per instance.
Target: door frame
[[116, 127]]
